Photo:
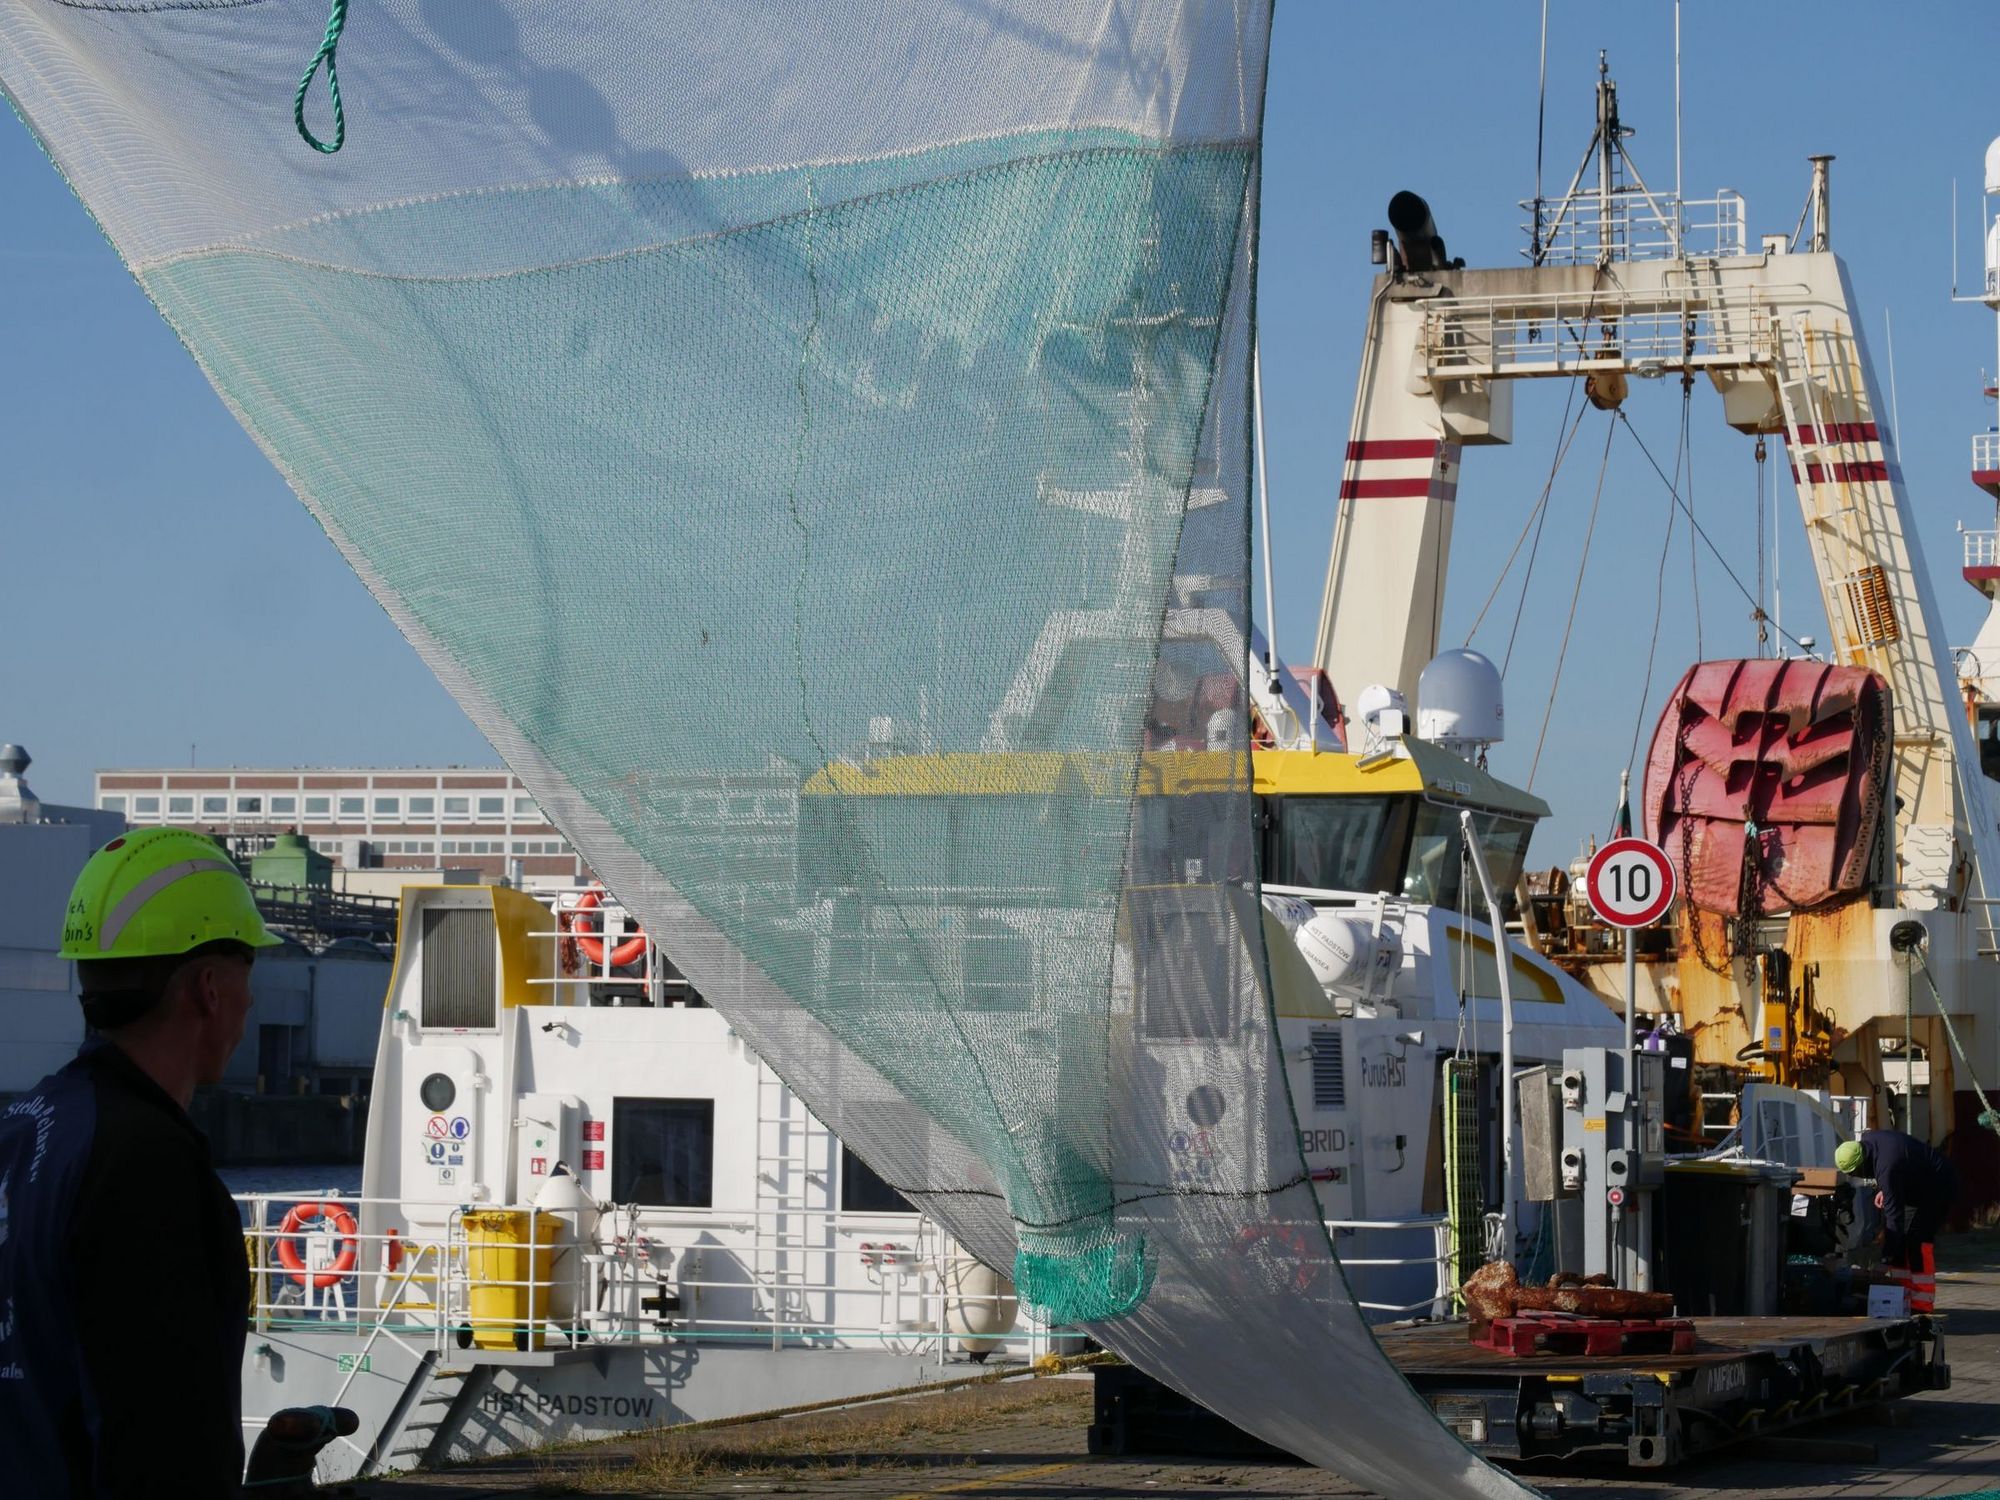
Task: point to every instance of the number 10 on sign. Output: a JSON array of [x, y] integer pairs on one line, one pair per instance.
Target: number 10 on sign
[[1630, 883]]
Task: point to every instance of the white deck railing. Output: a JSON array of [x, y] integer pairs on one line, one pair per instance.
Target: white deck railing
[[1575, 233]]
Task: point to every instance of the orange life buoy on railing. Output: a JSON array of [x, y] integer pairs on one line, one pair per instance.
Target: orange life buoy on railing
[[299, 1215], [628, 952]]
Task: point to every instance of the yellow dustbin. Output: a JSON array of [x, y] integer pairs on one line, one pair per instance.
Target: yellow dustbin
[[509, 1282]]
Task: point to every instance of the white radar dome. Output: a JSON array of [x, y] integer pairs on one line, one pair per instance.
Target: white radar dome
[[1993, 167], [1459, 701], [1346, 954]]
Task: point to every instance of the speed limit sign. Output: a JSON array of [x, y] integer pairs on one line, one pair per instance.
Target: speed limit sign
[[1630, 883]]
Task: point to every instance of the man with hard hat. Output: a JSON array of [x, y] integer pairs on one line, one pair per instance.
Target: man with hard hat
[[1916, 1186], [123, 1282]]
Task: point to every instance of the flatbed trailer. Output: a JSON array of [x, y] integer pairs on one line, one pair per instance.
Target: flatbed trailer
[[1747, 1377]]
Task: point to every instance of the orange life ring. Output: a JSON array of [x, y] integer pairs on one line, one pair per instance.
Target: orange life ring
[[628, 952], [299, 1215]]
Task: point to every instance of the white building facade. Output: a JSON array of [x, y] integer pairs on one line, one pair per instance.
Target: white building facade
[[475, 819]]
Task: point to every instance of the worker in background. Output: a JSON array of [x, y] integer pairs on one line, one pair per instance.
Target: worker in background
[[1916, 1188], [123, 1281]]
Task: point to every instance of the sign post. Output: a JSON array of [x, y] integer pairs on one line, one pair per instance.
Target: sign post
[[1630, 885]]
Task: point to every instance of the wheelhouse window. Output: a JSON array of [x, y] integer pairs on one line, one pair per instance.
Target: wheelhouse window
[[863, 1190], [1335, 843], [1432, 874], [663, 1152]]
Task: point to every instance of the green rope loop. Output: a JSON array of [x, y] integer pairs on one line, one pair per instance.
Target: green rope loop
[[336, 22]]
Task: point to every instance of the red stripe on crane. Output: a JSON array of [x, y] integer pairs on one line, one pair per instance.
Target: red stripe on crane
[[1856, 473], [1423, 487], [1392, 448], [1842, 432]]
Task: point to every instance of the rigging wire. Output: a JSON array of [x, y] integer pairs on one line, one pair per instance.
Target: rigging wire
[[1686, 455], [1535, 516], [1707, 540], [1582, 564], [1757, 614], [1653, 646]]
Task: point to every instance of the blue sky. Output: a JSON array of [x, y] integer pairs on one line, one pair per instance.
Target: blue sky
[[162, 594]]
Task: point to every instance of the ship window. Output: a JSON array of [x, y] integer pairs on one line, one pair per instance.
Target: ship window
[[1329, 1074], [863, 1190], [437, 1091], [1187, 948], [1435, 856], [458, 968], [1335, 843], [663, 1152]]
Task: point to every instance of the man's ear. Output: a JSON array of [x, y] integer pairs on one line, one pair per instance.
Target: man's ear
[[204, 988]]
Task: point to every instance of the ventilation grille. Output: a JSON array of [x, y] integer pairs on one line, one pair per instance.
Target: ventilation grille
[[1870, 607], [459, 988], [1329, 1069]]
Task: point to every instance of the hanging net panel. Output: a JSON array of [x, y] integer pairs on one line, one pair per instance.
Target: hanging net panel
[[810, 441]]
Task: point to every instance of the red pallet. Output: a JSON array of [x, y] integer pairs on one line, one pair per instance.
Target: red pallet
[[1570, 1335]]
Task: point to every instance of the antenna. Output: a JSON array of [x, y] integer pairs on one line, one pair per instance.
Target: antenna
[[1680, 214], [1264, 506], [1541, 115]]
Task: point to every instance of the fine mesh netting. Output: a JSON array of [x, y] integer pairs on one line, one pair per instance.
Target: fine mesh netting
[[810, 440]]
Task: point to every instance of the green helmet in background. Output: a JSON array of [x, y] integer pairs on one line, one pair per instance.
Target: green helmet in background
[[158, 892], [1848, 1156]]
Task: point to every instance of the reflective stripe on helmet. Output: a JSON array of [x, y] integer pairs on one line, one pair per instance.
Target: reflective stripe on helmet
[[122, 914]]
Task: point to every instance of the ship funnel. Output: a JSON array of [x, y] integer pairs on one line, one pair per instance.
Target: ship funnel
[[1422, 246]]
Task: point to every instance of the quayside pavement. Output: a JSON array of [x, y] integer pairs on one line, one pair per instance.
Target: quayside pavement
[[1024, 1440]]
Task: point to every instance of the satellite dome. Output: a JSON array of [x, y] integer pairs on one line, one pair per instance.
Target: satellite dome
[[1459, 701], [1993, 167]]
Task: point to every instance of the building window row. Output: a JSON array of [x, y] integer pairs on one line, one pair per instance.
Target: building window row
[[357, 807]]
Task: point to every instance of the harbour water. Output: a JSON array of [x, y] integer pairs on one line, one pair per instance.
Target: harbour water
[[343, 1178]]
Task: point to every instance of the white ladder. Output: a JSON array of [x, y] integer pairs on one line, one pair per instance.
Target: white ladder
[[793, 1166]]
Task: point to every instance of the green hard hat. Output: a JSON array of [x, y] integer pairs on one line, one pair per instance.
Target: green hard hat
[[1847, 1156], [158, 892]]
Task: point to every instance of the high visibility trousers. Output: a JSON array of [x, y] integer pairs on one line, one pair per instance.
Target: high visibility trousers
[[1922, 1279]]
